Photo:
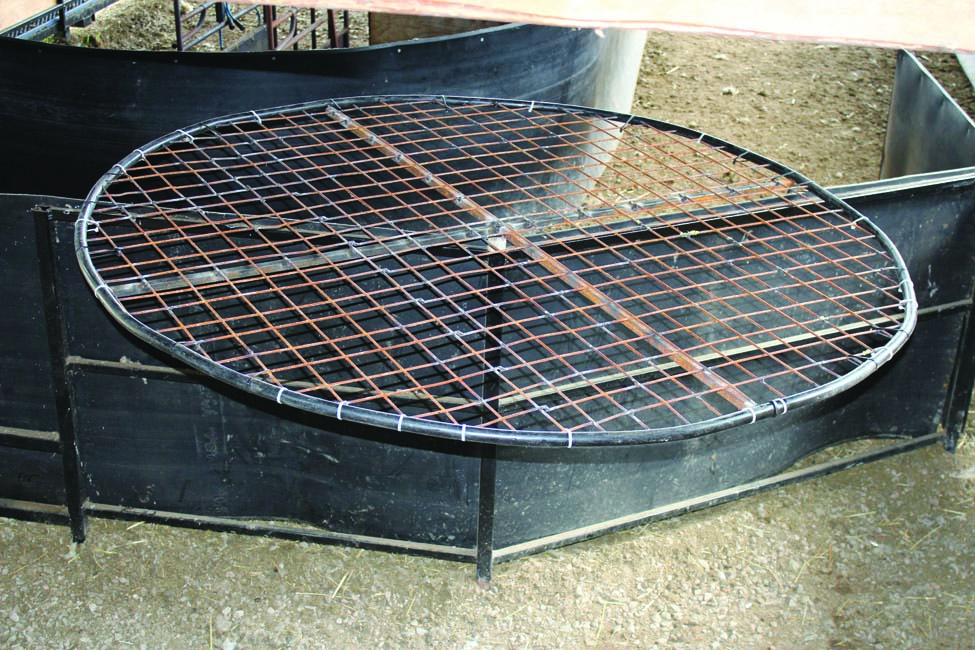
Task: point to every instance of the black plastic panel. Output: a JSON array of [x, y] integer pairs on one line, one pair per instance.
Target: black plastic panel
[[68, 114], [196, 450], [547, 492], [934, 228], [29, 475], [26, 396]]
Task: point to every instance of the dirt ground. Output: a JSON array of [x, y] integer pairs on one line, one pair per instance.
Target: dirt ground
[[876, 557], [879, 556]]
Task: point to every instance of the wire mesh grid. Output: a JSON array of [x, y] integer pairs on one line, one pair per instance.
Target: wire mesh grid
[[507, 271]]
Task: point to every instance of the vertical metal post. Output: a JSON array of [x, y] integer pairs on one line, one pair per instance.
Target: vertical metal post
[[313, 17], [178, 17], [61, 375], [222, 18], [346, 39], [485, 514], [62, 28], [270, 16], [333, 39], [490, 390]]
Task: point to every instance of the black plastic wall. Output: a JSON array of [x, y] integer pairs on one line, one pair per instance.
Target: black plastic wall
[[152, 437], [68, 114], [26, 395], [27, 471], [543, 492]]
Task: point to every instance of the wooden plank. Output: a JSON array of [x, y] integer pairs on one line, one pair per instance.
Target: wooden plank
[[934, 24], [392, 28], [14, 11]]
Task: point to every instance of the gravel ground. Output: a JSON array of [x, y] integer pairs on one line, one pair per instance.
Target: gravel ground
[[879, 556]]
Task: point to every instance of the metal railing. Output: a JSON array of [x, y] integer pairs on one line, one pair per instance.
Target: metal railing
[[230, 26], [57, 19]]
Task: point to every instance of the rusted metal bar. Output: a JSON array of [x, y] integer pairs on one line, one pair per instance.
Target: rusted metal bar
[[507, 235]]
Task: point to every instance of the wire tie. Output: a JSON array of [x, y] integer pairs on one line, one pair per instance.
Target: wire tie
[[463, 432], [569, 432], [700, 138], [102, 286], [338, 412], [277, 398], [257, 117], [531, 107], [186, 135], [626, 124], [873, 359], [735, 161], [399, 422], [780, 404], [753, 412]]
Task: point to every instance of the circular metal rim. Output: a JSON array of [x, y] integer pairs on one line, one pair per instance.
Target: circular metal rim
[[343, 411]]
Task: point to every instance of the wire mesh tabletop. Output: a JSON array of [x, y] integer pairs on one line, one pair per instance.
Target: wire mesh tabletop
[[502, 271]]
